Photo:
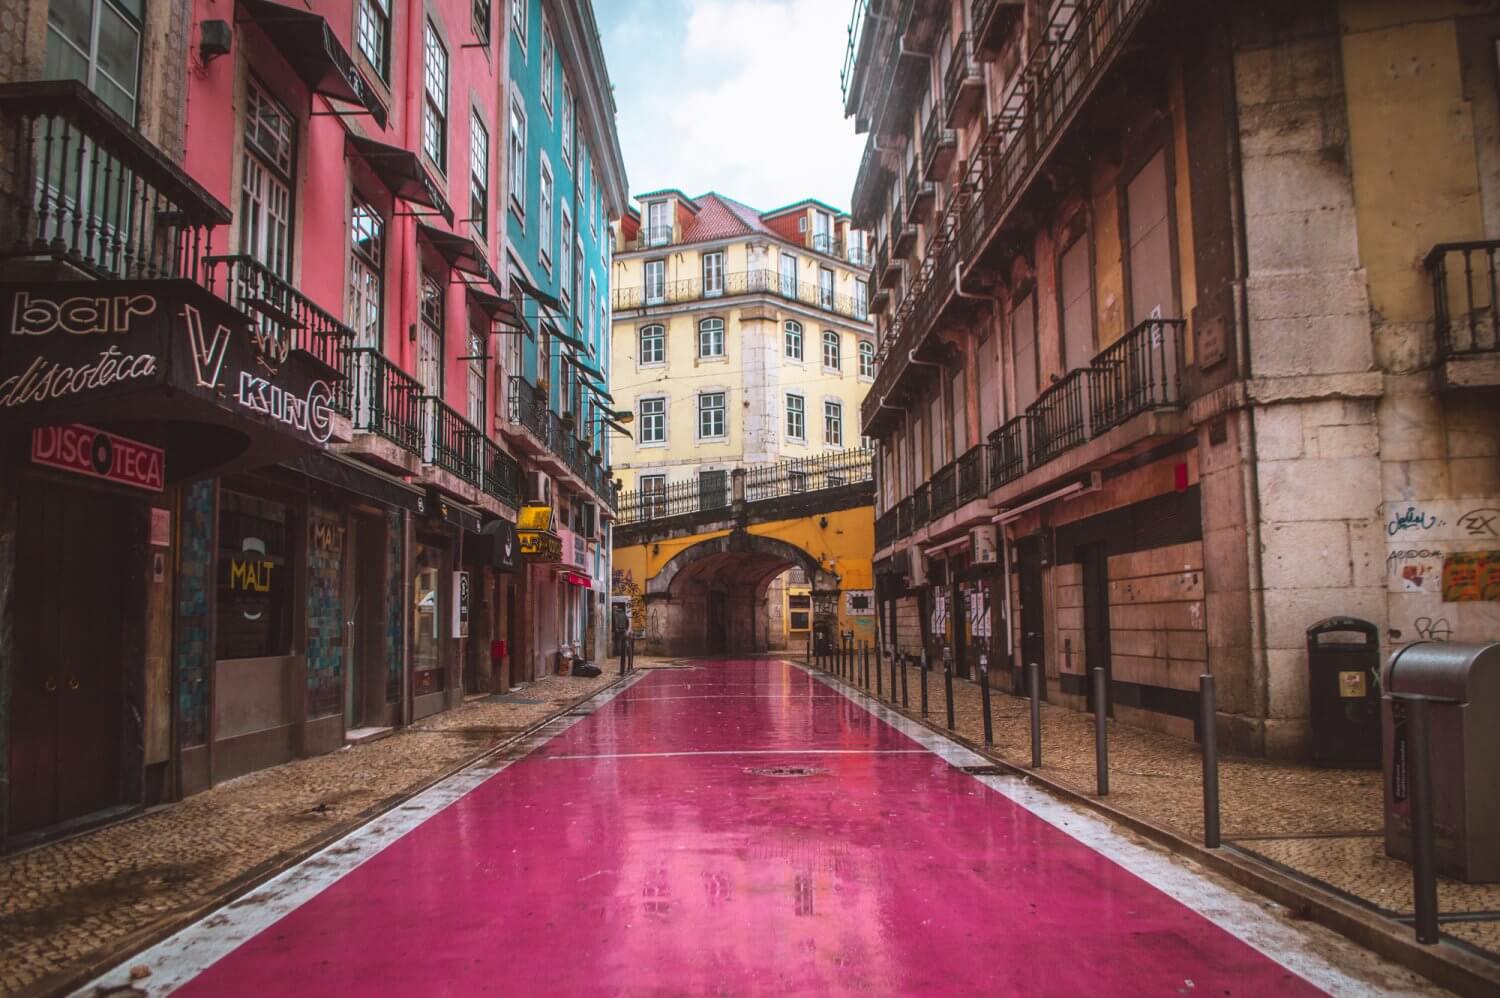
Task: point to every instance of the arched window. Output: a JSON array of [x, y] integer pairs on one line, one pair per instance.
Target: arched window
[[711, 338], [830, 350], [793, 340], [866, 359], [653, 345]]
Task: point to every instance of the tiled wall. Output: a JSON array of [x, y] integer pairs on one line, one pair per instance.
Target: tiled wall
[[325, 612], [195, 587]]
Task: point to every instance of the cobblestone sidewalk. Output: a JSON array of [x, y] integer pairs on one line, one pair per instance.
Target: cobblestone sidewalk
[[67, 906], [1320, 824]]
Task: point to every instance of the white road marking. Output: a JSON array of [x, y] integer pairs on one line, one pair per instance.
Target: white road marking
[[789, 698], [672, 755], [1197, 891]]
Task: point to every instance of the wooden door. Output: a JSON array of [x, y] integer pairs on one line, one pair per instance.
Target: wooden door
[[1095, 561], [1033, 641]]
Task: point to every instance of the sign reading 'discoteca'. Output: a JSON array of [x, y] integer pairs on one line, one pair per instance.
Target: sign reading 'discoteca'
[[108, 349]]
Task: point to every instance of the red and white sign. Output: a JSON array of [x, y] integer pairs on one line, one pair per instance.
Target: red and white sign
[[574, 579], [84, 450]]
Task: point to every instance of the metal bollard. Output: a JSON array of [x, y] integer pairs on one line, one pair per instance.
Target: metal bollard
[[865, 664], [1101, 733], [1034, 676], [923, 674], [984, 695], [1208, 732], [879, 683], [809, 658], [893, 677], [1423, 860], [948, 683], [905, 664], [623, 639]]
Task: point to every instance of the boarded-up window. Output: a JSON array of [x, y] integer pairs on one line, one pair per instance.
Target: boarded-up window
[[1077, 305], [989, 398], [960, 415], [1023, 353], [935, 422], [1146, 200]]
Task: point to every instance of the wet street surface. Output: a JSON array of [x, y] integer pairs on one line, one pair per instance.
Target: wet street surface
[[734, 828]]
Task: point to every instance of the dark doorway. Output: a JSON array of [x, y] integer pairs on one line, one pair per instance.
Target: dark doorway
[[365, 638], [68, 706], [1033, 643], [713, 489], [718, 623], [1095, 560]]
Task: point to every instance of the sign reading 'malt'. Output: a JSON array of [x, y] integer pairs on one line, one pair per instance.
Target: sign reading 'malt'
[[84, 450]]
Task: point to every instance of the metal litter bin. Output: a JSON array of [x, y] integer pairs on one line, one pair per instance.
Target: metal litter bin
[[1461, 684], [1344, 693]]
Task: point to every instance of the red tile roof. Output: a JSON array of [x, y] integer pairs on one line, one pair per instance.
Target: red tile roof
[[720, 217]]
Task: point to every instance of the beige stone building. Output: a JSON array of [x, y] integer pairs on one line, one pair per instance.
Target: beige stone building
[[1187, 338]]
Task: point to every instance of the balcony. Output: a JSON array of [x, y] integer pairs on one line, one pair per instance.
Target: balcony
[[880, 297], [384, 399], [904, 239], [502, 475], [992, 21], [283, 314], [748, 282], [921, 195], [1464, 320], [963, 84], [939, 146], [528, 411], [1059, 418], [904, 518], [885, 529], [921, 506], [451, 443], [85, 188], [1140, 371], [1007, 453], [944, 493], [827, 244], [971, 484], [762, 483]]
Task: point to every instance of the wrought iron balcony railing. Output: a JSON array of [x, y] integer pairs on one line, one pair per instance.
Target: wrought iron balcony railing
[[451, 442], [939, 145], [1008, 453], [963, 83], [921, 506], [920, 195], [528, 408], [282, 313], [383, 399], [85, 187], [885, 529], [745, 282], [1140, 371], [827, 244], [1464, 298], [944, 490], [971, 475], [762, 483], [1059, 418], [502, 475], [904, 517]]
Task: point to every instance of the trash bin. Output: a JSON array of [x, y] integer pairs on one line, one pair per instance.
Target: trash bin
[[1462, 685], [1344, 693]]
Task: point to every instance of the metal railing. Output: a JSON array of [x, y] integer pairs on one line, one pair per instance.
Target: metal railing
[[744, 282], [1464, 298], [885, 529], [827, 244], [762, 483], [1008, 453], [936, 137], [286, 318], [502, 475], [962, 72], [528, 408], [1059, 418], [451, 442], [1142, 370], [921, 506], [84, 186], [904, 517], [945, 490], [383, 399], [971, 475], [655, 235]]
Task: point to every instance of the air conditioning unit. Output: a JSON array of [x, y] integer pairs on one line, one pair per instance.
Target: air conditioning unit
[[538, 488], [918, 569], [983, 546]]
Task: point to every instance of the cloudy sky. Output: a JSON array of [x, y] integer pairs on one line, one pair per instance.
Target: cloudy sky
[[737, 96]]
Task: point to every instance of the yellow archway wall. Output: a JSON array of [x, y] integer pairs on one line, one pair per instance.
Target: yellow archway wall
[[845, 547]]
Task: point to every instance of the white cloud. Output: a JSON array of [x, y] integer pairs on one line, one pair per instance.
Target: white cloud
[[742, 97]]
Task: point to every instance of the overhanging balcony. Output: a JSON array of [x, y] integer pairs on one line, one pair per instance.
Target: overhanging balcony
[[963, 84], [1464, 296], [890, 270], [502, 475], [939, 146], [904, 238], [383, 403], [992, 21], [450, 442], [85, 188], [920, 197], [744, 282]]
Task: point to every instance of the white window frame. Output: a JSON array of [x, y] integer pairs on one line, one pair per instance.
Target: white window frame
[[567, 120], [654, 230], [833, 423], [866, 360], [653, 493], [646, 438], [516, 165], [861, 299], [799, 411], [544, 214], [705, 326], [713, 274], [661, 285], [834, 347], [705, 409], [549, 66], [267, 181], [565, 272], [479, 174], [518, 18], [372, 28], [786, 341], [657, 340], [435, 97], [827, 284]]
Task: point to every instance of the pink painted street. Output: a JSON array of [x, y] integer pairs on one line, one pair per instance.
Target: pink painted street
[[735, 827]]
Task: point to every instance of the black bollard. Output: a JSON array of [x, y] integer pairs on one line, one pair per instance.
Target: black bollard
[[893, 676], [879, 686], [1423, 861], [1101, 733], [948, 683], [923, 674], [623, 639], [1034, 674], [984, 695], [1208, 732], [905, 701], [809, 659]]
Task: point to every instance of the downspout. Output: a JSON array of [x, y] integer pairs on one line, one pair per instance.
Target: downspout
[[1249, 473]]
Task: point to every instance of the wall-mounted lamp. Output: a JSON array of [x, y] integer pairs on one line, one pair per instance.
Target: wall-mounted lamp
[[214, 39], [822, 521], [411, 333]]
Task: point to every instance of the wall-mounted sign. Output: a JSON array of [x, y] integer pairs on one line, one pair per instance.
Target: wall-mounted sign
[[84, 450], [534, 518], [161, 528], [539, 547], [575, 579], [859, 602], [460, 604], [504, 550]]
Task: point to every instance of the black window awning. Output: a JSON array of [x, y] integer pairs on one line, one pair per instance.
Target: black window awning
[[460, 252], [616, 426], [402, 172], [308, 44], [497, 307], [359, 479], [597, 387], [567, 338], [532, 291]]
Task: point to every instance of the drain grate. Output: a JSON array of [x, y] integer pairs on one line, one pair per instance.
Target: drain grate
[[786, 771], [983, 770]]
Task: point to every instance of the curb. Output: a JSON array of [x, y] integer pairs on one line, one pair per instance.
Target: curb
[[1443, 963], [69, 980]]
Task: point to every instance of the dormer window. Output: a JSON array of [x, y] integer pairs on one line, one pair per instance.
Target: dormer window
[[659, 223]]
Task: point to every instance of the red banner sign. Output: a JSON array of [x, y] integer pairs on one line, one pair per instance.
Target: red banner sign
[[84, 450], [573, 578]]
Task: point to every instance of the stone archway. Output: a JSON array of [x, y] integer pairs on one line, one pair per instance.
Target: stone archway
[[710, 597]]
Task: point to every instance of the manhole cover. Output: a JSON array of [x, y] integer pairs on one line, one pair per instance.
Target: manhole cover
[[786, 771]]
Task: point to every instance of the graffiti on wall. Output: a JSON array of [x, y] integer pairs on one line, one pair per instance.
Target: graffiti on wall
[[623, 584], [1442, 568]]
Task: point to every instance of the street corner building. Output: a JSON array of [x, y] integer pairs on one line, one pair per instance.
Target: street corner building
[[742, 352], [1186, 341], [290, 339]]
